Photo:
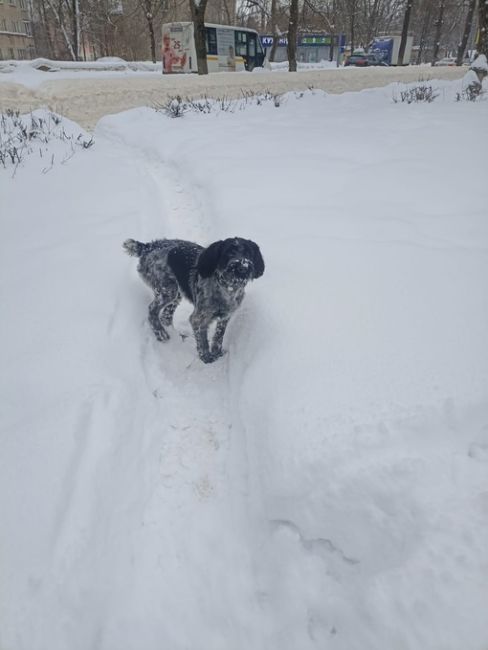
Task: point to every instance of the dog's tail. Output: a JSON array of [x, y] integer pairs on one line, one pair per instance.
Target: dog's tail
[[133, 247]]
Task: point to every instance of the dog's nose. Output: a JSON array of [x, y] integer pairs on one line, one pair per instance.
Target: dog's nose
[[241, 268]]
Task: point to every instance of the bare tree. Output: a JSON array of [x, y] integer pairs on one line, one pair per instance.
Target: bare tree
[[292, 36], [275, 30], [58, 13], [75, 17], [406, 23], [424, 30], [438, 30], [150, 7], [482, 42], [466, 32], [351, 10], [197, 8]]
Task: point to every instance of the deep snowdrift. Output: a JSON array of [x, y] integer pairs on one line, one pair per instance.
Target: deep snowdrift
[[322, 486]]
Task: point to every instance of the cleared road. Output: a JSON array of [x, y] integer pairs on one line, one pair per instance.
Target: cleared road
[[86, 100]]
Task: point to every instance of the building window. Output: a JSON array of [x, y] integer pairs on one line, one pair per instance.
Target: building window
[[3, 25], [22, 4], [11, 53], [27, 28], [21, 54], [12, 3]]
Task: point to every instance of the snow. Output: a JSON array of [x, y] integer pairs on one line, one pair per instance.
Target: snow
[[324, 485], [480, 63], [33, 73], [86, 96], [470, 79]]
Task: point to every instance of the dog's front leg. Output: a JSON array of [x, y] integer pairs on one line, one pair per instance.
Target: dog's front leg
[[200, 325], [216, 349]]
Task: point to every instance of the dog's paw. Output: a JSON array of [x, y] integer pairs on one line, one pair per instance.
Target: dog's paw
[[161, 335], [210, 357]]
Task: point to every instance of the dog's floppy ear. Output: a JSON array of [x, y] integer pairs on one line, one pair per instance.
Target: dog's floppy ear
[[257, 259], [209, 259]]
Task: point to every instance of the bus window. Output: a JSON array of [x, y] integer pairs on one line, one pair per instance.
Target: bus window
[[241, 43], [211, 38], [252, 46]]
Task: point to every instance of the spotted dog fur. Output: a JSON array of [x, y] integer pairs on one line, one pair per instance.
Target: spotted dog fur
[[213, 279]]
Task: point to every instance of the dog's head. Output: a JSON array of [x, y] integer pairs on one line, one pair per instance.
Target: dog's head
[[235, 261]]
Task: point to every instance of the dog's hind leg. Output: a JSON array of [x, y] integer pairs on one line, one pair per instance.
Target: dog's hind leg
[[155, 309], [166, 315], [161, 310]]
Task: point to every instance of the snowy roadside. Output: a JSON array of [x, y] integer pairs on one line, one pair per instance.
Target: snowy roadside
[[86, 97], [323, 485]]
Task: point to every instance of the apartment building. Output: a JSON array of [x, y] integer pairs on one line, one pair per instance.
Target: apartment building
[[16, 40]]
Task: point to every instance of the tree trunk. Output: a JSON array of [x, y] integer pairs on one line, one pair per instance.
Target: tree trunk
[[438, 30], [423, 33], [372, 22], [228, 18], [352, 23], [467, 30], [58, 15], [276, 33], [274, 47], [482, 41], [292, 36], [47, 30], [332, 30], [75, 9], [150, 28], [198, 18], [406, 23]]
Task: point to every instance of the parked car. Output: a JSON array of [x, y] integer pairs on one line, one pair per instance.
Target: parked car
[[364, 60]]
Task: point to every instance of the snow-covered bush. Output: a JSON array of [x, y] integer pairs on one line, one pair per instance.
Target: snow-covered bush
[[174, 107], [177, 106], [422, 92], [24, 135], [472, 84]]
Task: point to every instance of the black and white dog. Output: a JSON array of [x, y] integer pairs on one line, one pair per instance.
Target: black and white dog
[[213, 279]]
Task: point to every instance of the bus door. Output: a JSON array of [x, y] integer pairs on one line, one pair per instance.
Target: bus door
[[246, 47]]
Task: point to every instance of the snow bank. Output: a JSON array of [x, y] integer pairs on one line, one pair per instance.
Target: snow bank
[[86, 96], [480, 63], [32, 74], [324, 484], [112, 63]]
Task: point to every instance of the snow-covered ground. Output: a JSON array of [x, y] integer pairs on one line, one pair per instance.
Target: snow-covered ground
[[86, 95], [34, 72], [324, 485]]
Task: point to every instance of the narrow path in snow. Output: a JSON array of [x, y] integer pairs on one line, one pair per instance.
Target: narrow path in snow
[[143, 502]]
